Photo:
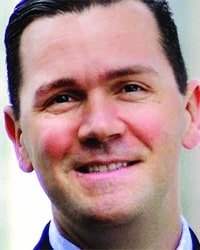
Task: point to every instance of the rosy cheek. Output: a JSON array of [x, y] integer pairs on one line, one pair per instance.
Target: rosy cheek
[[147, 125], [55, 142]]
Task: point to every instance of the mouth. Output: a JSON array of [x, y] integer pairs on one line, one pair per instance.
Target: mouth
[[102, 168]]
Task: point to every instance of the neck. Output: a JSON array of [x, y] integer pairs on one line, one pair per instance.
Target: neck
[[156, 226], [149, 235], [142, 233]]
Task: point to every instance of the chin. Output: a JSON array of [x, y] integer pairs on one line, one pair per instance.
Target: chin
[[110, 216]]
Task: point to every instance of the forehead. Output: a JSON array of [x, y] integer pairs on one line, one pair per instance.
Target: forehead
[[118, 16], [103, 35]]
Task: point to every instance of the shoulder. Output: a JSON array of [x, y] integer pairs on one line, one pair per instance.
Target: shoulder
[[44, 243]]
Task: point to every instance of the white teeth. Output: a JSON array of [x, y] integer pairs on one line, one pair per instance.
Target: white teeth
[[103, 169], [125, 164], [113, 166], [107, 168], [95, 168]]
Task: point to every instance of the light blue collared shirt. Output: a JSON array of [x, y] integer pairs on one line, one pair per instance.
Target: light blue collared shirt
[[58, 242], [186, 240]]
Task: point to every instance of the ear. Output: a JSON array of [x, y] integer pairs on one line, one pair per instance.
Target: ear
[[16, 135], [192, 136]]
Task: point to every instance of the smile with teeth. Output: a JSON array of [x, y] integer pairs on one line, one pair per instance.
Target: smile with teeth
[[105, 167]]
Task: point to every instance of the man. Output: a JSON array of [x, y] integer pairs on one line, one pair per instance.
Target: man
[[100, 111]]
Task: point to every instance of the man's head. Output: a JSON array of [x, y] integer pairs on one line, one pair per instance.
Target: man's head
[[29, 10], [102, 122]]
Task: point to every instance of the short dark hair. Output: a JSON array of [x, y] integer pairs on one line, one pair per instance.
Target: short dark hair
[[29, 10]]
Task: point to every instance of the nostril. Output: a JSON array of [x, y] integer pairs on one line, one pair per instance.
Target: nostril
[[95, 142], [92, 142]]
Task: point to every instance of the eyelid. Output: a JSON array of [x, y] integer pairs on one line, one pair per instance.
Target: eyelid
[[72, 94], [135, 84], [124, 84], [53, 99]]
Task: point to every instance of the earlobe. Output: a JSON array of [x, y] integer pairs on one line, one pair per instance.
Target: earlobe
[[15, 134], [192, 135]]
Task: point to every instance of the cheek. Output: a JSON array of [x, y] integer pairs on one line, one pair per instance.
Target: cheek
[[53, 139], [161, 136], [147, 125], [156, 126]]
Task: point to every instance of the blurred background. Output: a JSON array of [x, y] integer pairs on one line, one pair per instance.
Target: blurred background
[[24, 209]]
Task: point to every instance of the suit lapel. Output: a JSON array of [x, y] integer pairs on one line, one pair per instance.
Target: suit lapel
[[44, 243], [195, 242]]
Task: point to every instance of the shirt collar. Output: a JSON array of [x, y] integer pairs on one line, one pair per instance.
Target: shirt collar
[[58, 242], [186, 240]]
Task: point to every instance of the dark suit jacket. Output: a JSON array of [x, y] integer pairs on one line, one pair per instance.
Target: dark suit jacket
[[44, 244], [195, 242]]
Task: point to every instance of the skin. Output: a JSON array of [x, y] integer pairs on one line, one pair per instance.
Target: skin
[[95, 95]]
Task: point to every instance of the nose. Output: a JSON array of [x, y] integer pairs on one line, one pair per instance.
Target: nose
[[101, 124]]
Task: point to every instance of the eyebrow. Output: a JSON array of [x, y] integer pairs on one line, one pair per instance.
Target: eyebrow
[[109, 75], [57, 84], [135, 70]]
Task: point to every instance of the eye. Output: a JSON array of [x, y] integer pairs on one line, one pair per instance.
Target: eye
[[131, 91], [132, 87], [61, 98], [60, 103]]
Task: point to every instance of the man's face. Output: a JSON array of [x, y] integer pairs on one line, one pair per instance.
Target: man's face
[[102, 120]]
